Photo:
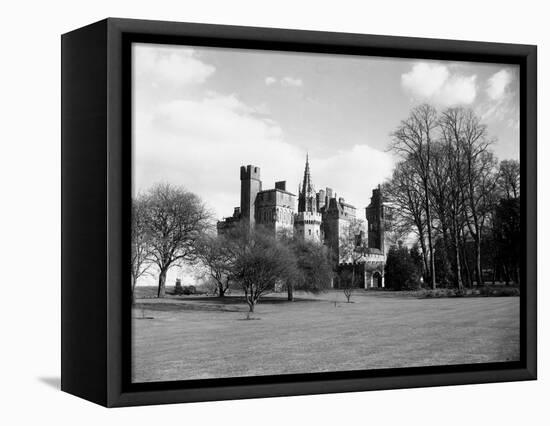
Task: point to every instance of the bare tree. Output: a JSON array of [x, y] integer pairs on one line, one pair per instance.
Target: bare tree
[[446, 186], [175, 220], [141, 260], [217, 259], [442, 187], [413, 140], [453, 160], [404, 192], [259, 262], [478, 173], [509, 182]]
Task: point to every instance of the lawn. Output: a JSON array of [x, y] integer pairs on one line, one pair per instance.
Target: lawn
[[195, 337]]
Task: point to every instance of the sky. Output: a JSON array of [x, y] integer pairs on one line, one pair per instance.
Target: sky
[[199, 113]]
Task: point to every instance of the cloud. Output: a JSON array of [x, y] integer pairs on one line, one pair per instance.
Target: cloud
[[501, 103], [498, 83], [353, 173], [201, 145], [291, 82], [435, 83], [160, 65], [284, 82]]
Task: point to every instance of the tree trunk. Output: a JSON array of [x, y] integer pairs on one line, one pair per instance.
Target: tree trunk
[[430, 243], [134, 281], [457, 259], [290, 291], [162, 283], [506, 274], [468, 279], [468, 274], [424, 258], [479, 272], [221, 290]]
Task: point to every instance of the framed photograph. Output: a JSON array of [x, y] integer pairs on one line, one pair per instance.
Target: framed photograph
[[255, 212]]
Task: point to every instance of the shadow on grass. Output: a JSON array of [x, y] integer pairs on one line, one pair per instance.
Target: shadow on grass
[[234, 300], [210, 303]]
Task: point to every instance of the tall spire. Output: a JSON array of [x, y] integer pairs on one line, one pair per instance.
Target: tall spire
[[306, 197], [307, 185]]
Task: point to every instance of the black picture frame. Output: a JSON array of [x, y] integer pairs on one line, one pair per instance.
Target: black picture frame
[[96, 195]]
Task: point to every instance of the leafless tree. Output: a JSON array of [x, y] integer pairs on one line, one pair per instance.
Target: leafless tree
[[441, 193], [509, 182], [259, 262], [451, 125], [478, 172], [413, 141], [175, 220], [217, 260], [404, 192], [141, 260]]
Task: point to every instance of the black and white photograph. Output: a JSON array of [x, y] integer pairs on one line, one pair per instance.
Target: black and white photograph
[[298, 213], [277, 213]]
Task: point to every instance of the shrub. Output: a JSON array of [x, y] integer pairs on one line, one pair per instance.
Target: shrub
[[458, 293], [506, 292], [485, 291], [190, 289], [402, 272]]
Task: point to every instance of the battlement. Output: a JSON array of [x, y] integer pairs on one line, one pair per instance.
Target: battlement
[[308, 217], [250, 172]]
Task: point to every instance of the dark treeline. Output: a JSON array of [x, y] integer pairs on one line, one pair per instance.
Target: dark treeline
[[450, 191], [173, 227]]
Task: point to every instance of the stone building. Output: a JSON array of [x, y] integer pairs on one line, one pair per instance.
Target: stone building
[[317, 216], [275, 209]]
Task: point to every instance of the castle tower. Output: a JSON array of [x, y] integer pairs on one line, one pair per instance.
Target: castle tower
[[250, 186], [307, 222], [337, 215], [379, 217]]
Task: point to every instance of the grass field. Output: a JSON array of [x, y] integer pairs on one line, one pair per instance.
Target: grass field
[[195, 337]]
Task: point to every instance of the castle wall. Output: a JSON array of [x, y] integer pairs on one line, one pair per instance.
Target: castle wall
[[336, 218], [333, 229], [275, 210]]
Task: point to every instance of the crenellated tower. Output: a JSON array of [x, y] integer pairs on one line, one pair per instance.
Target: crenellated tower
[[379, 216]]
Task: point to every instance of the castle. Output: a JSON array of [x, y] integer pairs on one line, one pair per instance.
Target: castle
[[317, 216]]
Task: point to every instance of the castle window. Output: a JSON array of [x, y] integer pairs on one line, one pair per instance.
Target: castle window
[[309, 231]]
